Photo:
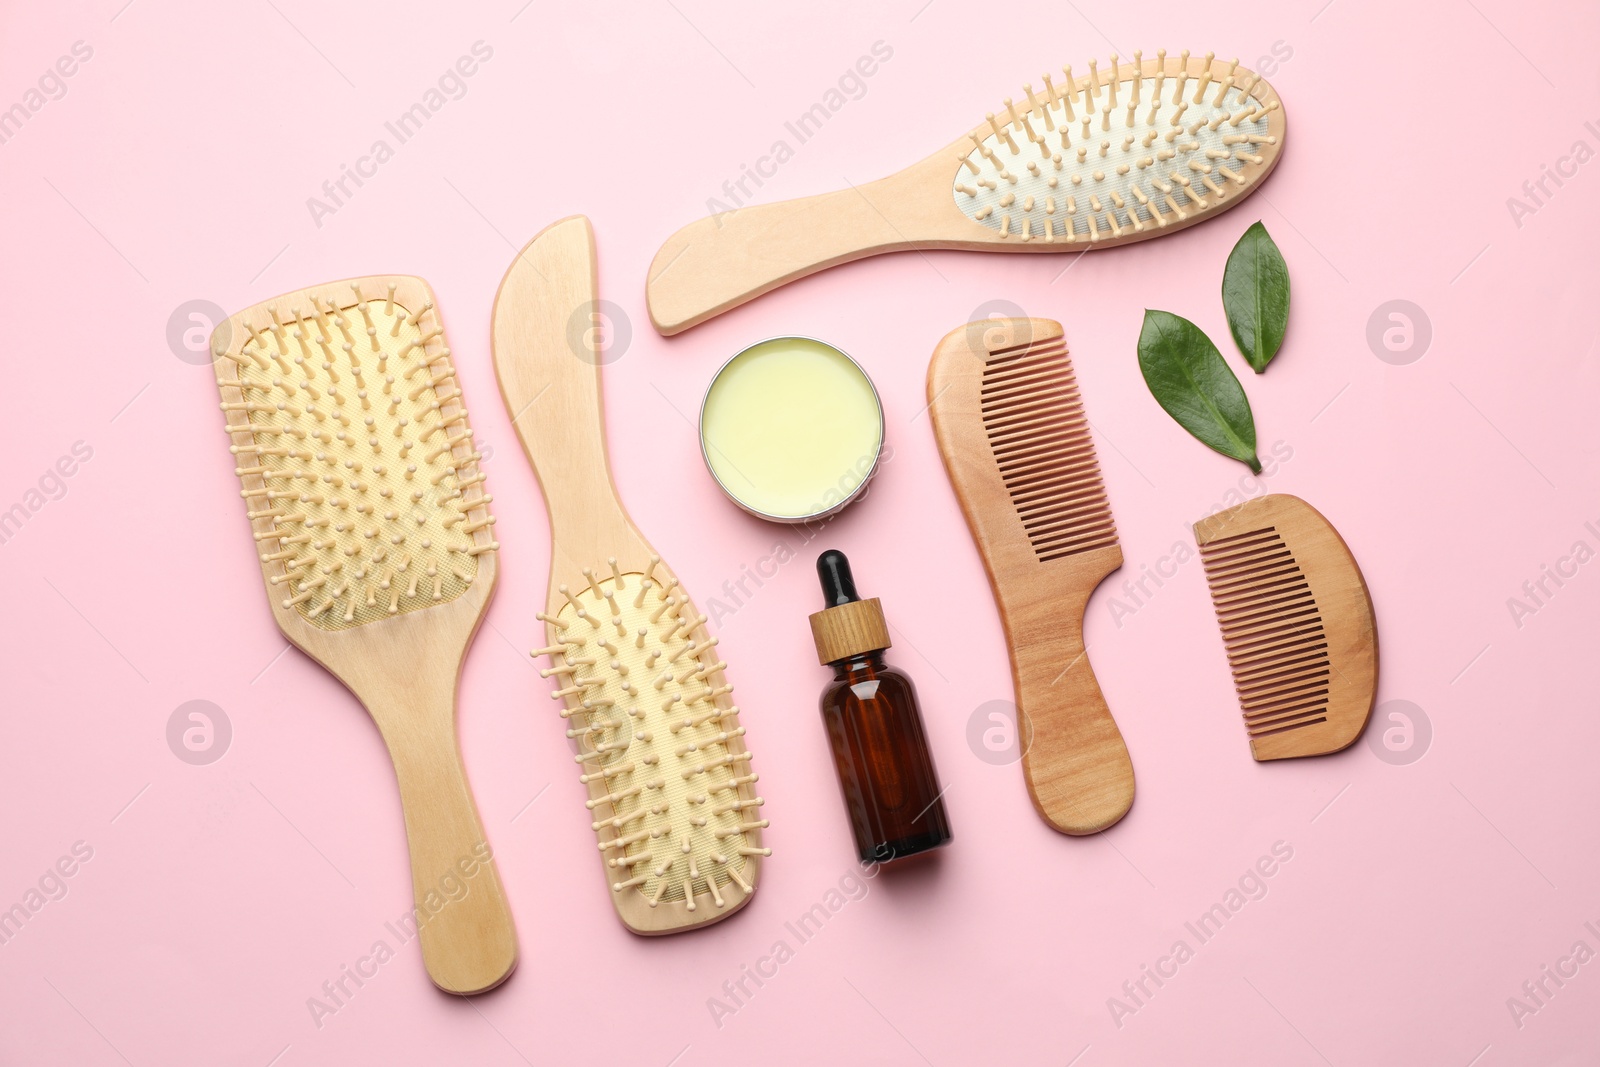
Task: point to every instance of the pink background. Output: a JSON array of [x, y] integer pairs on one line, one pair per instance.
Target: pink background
[[1420, 896]]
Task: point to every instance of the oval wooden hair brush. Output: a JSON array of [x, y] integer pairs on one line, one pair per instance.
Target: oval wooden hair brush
[[671, 795], [373, 530], [1134, 151], [1297, 622], [1015, 441]]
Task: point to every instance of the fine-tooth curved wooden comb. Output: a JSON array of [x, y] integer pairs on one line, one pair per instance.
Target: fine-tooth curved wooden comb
[[1134, 151], [1015, 441], [1297, 622], [373, 528], [670, 790]]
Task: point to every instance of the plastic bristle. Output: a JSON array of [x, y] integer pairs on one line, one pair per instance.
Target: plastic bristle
[[1040, 439], [356, 460], [1277, 647], [1140, 156], [648, 702]]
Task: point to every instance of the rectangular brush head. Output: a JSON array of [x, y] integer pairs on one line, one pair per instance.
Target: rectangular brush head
[[354, 453], [1297, 622]]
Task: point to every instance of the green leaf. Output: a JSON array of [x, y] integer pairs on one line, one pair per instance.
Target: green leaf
[[1255, 294], [1187, 376]]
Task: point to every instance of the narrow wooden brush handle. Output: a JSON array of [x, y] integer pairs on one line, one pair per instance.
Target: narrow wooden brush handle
[[720, 262], [469, 944], [547, 360], [1076, 764]]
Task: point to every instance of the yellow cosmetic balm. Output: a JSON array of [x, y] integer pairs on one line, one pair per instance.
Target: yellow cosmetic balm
[[791, 428]]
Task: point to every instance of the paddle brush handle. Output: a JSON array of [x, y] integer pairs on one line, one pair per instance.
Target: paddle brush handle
[[548, 333], [469, 943]]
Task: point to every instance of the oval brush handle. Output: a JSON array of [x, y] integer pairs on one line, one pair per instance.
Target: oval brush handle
[[545, 336], [469, 943], [717, 263], [1077, 767]]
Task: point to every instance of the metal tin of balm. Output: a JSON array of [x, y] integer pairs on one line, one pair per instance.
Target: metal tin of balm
[[791, 429]]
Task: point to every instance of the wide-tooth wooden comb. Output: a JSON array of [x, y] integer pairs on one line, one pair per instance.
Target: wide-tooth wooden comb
[[1134, 151], [1297, 622], [1015, 441], [671, 796], [369, 514]]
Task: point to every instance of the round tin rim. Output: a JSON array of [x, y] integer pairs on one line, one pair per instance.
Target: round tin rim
[[861, 487]]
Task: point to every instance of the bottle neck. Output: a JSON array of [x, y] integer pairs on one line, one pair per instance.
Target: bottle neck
[[855, 666]]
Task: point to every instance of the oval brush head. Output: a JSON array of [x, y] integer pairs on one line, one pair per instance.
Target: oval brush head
[[358, 465], [1121, 153], [650, 712]]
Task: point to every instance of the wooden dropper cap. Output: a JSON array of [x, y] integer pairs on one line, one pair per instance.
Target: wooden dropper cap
[[849, 626]]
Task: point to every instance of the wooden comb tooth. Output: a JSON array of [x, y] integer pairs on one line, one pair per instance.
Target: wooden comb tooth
[[1040, 492], [1056, 458], [1033, 417], [1311, 686], [1272, 599], [1268, 651], [1051, 403], [1268, 655], [1301, 658], [1246, 571], [1251, 578], [1041, 478], [1279, 683], [1060, 472], [1282, 682], [1282, 581], [1287, 710], [1274, 635], [1067, 517], [1274, 729], [1012, 358], [1271, 642], [1254, 567], [1288, 701], [1049, 387], [1085, 525], [1052, 455], [1268, 622], [1252, 601], [1019, 445], [1023, 402], [1277, 708], [1017, 438]]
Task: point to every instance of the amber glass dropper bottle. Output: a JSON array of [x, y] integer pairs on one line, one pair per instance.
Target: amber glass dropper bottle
[[891, 791]]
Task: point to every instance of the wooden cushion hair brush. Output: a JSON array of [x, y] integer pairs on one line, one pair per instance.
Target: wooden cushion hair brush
[[1126, 153], [671, 795], [373, 530]]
